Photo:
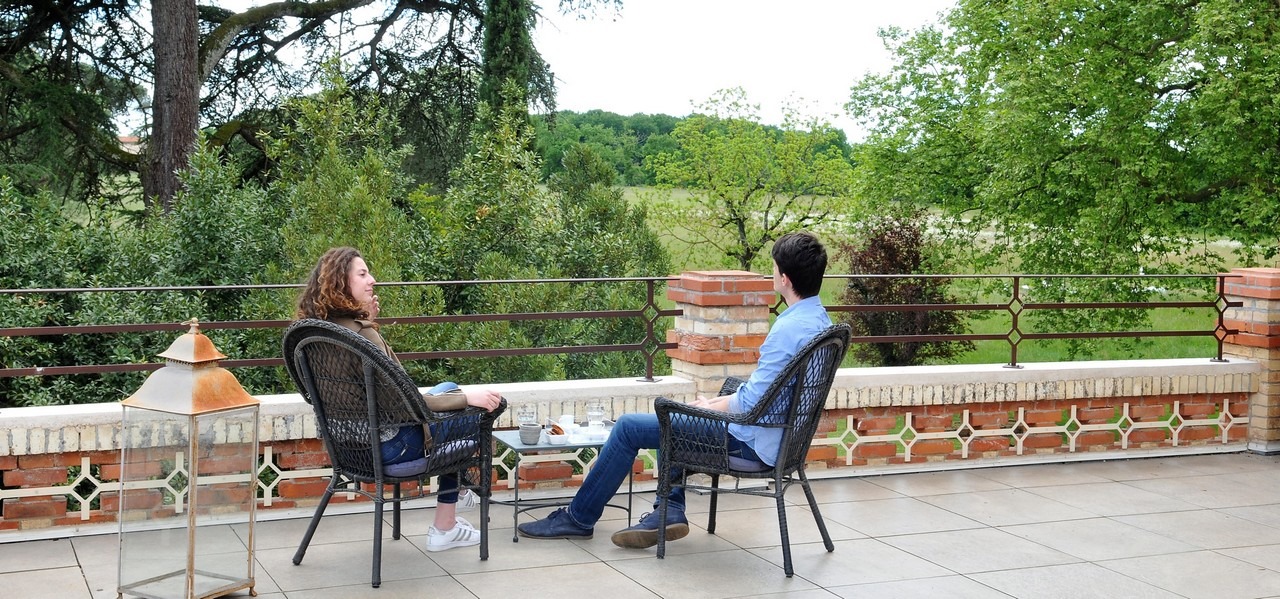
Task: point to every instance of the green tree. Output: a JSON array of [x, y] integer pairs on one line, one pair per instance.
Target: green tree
[[751, 184], [498, 222], [1086, 137], [340, 176], [213, 66], [218, 234], [509, 56]]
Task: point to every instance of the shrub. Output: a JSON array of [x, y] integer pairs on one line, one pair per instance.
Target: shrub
[[896, 243]]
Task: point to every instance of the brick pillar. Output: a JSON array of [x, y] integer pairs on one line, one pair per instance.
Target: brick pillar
[[726, 318], [1258, 321]]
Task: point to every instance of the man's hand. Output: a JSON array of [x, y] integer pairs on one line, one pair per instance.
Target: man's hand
[[483, 398], [719, 404]]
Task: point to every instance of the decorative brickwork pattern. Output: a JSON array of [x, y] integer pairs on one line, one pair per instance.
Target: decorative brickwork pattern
[[900, 435]]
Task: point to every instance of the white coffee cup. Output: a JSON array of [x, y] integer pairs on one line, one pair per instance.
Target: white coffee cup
[[566, 422]]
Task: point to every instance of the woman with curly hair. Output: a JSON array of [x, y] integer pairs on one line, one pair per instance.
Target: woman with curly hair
[[340, 290]]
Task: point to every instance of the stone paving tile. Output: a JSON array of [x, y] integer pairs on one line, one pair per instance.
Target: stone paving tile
[[1206, 529], [17, 557], [856, 561], [979, 550], [580, 580], [1098, 539], [759, 527], [1042, 475], [888, 517], [1070, 581], [63, 583], [1112, 498], [952, 587], [1265, 556], [716, 575], [1200, 575], [1007, 507], [938, 483]]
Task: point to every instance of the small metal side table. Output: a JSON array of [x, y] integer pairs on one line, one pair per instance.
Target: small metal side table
[[512, 439]]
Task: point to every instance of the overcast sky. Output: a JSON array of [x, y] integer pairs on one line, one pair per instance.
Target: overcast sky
[[666, 56]]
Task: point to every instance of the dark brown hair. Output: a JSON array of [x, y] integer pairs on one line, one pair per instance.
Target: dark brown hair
[[801, 257], [326, 295]]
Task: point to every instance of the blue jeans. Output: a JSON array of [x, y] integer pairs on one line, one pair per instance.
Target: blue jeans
[[409, 444], [631, 433]]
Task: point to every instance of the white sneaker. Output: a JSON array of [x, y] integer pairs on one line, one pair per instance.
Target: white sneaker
[[463, 534], [467, 500]]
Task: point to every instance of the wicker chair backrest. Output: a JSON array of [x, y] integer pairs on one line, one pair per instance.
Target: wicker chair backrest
[[796, 398], [356, 390]]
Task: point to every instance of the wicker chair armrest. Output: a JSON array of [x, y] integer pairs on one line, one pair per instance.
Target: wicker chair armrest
[[693, 437], [731, 385], [666, 406]]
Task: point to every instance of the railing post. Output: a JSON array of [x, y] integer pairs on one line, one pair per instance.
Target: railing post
[[726, 318], [1258, 340]]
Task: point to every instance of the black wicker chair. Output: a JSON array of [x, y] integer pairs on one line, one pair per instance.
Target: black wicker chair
[[357, 391], [696, 439]]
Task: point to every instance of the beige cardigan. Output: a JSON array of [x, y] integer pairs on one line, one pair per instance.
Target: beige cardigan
[[436, 403]]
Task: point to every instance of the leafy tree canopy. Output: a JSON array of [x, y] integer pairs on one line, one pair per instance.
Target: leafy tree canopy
[[1085, 136], [749, 183], [68, 66]]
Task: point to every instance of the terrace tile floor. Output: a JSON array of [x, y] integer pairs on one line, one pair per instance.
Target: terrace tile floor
[[1190, 526]]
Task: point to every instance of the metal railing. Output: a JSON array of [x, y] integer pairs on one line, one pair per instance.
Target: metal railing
[[1016, 306], [648, 346]]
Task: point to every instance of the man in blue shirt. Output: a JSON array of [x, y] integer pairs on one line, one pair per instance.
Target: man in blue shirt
[[799, 262]]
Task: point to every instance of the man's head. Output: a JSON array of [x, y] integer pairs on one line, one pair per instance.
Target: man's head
[[801, 258]]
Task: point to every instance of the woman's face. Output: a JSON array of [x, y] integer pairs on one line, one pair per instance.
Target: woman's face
[[360, 281]]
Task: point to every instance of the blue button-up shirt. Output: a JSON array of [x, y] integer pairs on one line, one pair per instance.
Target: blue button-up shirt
[[795, 327]]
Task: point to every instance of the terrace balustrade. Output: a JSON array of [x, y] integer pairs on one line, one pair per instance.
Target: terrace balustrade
[[60, 463]]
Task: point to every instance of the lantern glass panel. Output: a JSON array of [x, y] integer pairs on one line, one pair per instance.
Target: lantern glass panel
[[185, 478]]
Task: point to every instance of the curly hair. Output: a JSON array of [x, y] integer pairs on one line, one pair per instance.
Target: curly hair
[[326, 295]]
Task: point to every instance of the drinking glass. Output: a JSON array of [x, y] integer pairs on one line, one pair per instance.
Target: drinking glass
[[595, 415], [527, 414]]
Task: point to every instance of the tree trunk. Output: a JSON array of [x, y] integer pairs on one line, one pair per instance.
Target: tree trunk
[[176, 99]]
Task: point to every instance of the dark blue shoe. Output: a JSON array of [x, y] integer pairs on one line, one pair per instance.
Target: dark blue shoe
[[556, 526], [644, 534]]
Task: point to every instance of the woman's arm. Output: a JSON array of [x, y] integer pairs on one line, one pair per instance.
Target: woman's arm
[[461, 398]]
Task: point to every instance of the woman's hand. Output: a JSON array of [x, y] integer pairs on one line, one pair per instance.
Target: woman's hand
[[483, 398], [373, 307]]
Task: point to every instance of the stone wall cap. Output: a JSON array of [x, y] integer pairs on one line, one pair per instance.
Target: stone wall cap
[[1038, 371]]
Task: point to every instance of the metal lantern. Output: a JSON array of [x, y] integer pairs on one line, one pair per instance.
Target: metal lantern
[[188, 467]]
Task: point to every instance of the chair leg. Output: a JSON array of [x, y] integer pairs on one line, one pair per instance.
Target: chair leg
[[817, 515], [664, 490], [377, 541], [715, 496], [315, 521], [485, 490], [786, 539], [395, 513]]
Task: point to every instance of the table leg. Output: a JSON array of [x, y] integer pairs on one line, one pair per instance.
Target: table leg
[[515, 504]]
